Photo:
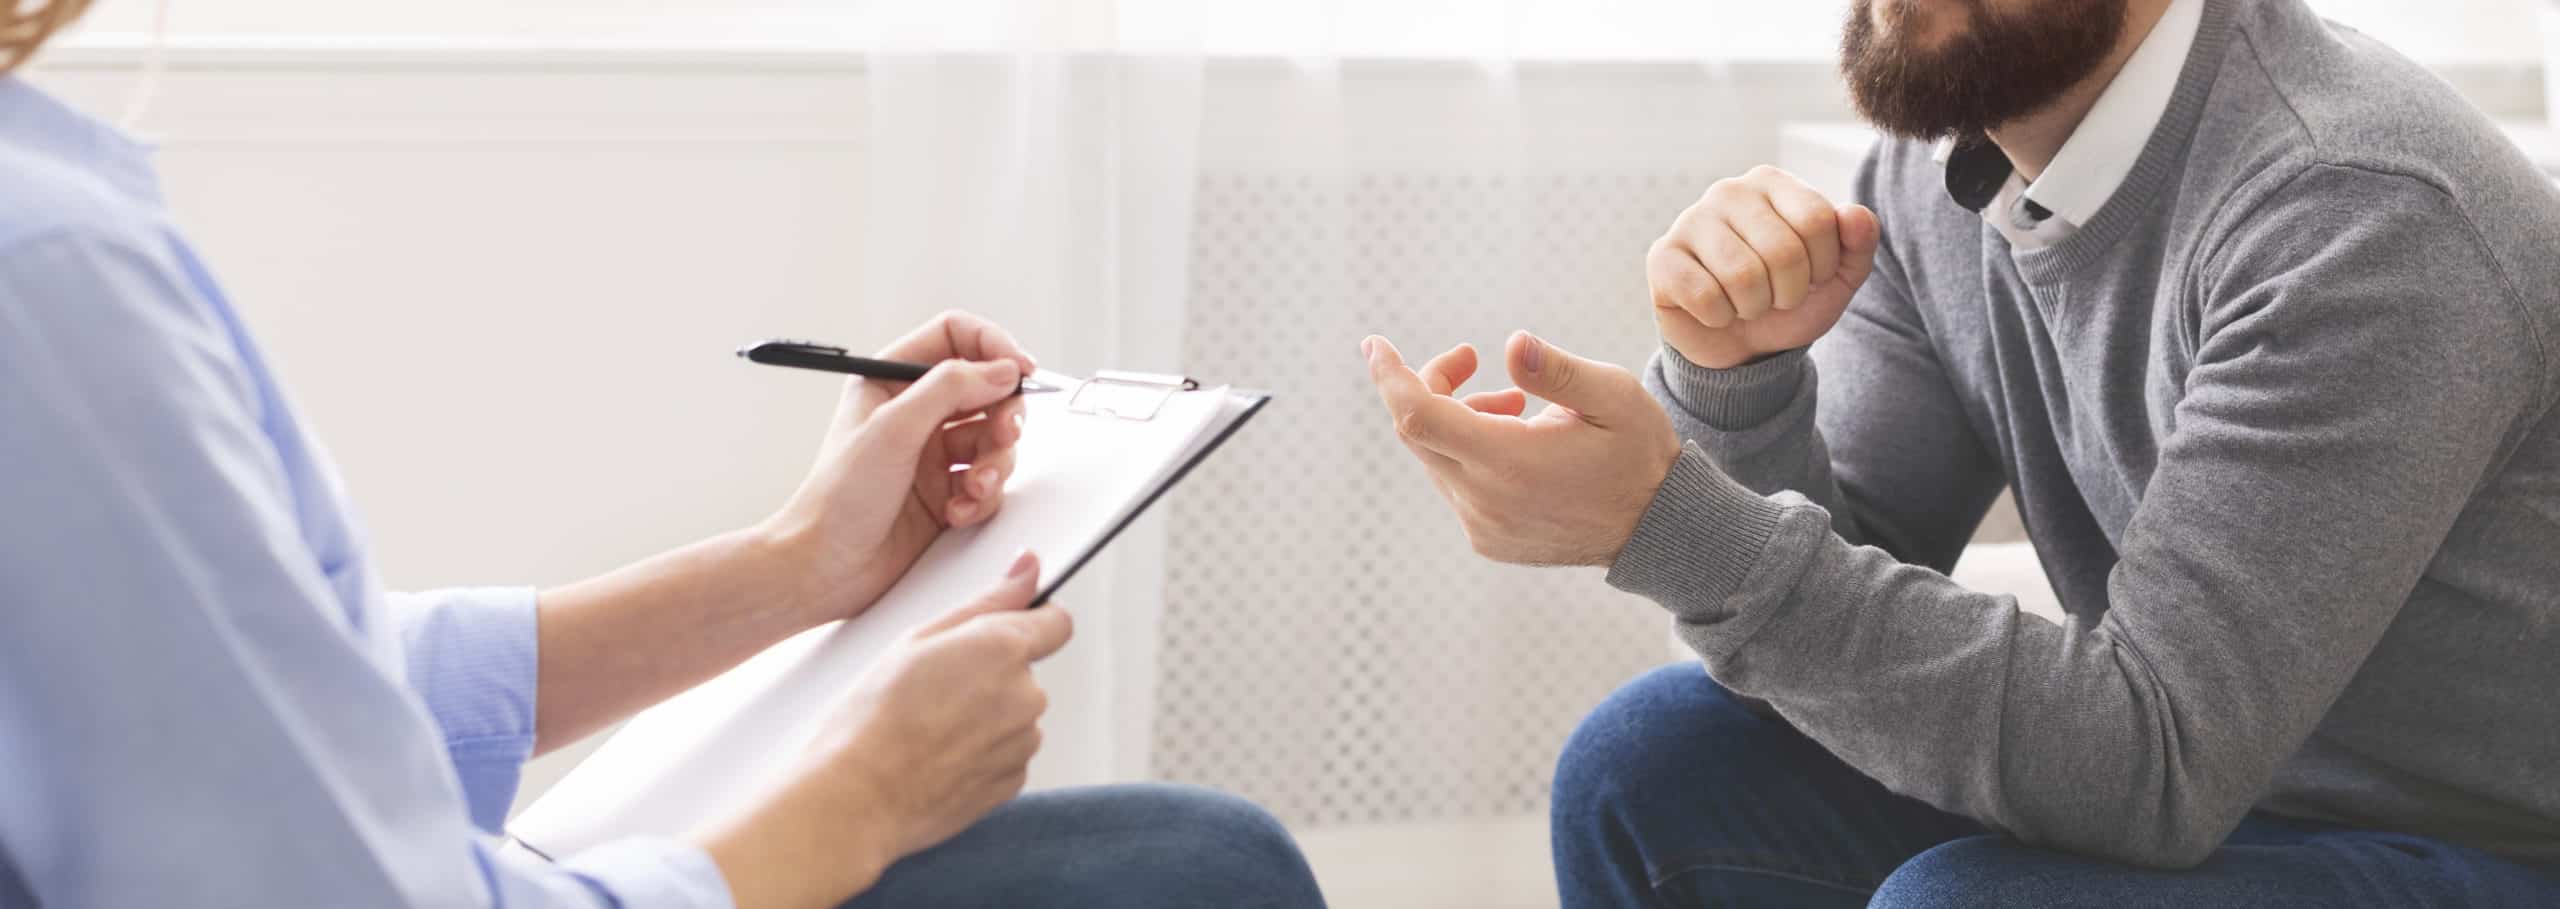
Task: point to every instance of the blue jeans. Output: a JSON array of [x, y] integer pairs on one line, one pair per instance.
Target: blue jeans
[[1144, 846], [1676, 792]]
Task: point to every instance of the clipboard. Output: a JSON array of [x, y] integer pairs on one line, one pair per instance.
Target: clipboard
[[1162, 389], [1091, 462]]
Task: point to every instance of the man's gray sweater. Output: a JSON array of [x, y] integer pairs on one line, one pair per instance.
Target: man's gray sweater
[[2279, 419]]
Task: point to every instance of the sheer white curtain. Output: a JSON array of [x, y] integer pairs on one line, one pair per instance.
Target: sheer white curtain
[[1052, 190], [1239, 191]]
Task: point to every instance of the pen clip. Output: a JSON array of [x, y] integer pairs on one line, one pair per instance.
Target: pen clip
[[789, 346], [781, 350]]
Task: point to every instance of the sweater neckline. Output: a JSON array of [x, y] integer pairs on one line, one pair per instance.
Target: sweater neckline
[[2154, 172]]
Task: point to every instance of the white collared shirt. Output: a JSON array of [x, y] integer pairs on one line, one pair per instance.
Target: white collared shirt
[[2103, 148]]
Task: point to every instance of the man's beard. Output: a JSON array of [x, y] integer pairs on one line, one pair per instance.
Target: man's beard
[[1995, 68]]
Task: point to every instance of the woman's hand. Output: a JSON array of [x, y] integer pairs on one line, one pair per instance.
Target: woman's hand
[[944, 728], [902, 463], [936, 734]]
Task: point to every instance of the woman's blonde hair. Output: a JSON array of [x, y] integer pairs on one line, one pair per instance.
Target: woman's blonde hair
[[24, 28]]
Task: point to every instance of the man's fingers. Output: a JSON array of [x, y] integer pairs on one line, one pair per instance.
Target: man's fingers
[[955, 388], [1736, 266], [1447, 371], [1681, 284], [958, 335], [1596, 389], [1509, 402], [1021, 582], [1432, 421], [1387, 371], [1782, 253], [1816, 224]]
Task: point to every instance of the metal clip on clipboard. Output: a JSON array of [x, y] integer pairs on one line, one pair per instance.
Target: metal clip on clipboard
[[1135, 396]]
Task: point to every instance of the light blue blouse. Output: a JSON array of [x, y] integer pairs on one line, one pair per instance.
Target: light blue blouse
[[205, 697]]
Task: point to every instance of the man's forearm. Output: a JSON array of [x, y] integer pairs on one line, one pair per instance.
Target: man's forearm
[[621, 641]]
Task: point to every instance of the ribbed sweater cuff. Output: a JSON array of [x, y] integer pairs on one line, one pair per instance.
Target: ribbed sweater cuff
[[1696, 542], [1732, 400]]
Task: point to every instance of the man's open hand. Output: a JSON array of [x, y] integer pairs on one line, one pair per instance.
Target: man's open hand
[[1564, 487]]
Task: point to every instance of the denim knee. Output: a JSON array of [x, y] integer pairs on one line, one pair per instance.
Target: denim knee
[[1967, 872], [1672, 727], [1232, 846]]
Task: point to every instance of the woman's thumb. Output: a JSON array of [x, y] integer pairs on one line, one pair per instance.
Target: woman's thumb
[[1021, 582]]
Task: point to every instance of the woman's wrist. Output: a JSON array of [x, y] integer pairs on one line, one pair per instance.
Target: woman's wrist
[[796, 551], [816, 842]]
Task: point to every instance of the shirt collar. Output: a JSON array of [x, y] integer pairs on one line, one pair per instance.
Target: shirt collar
[[32, 121], [2102, 150]]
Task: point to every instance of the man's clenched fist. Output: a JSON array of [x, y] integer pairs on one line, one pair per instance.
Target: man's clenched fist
[[1759, 265]]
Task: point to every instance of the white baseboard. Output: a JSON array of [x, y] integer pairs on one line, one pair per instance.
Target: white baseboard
[[1476, 863]]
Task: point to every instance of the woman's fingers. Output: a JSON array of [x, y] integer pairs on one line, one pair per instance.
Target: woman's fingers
[[1014, 591], [958, 335], [966, 484], [953, 390], [977, 491]]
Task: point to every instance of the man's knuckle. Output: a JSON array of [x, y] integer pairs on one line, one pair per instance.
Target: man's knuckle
[[1661, 256], [1743, 279], [1816, 218], [1749, 278], [1412, 423], [1784, 256]]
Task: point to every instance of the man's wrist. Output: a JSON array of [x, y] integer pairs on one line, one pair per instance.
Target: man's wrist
[[1715, 358], [1697, 539], [1733, 399]]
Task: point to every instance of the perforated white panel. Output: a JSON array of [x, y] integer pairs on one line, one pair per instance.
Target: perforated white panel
[[1331, 648]]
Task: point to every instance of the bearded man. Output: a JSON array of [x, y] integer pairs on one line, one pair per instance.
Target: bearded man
[[2257, 319]]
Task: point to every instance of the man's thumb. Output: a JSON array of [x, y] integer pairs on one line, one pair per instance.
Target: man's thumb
[[1859, 236], [1559, 375]]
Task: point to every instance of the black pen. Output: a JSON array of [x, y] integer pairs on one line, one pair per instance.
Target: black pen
[[826, 358]]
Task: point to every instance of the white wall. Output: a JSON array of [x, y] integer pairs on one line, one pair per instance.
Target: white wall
[[2458, 30]]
